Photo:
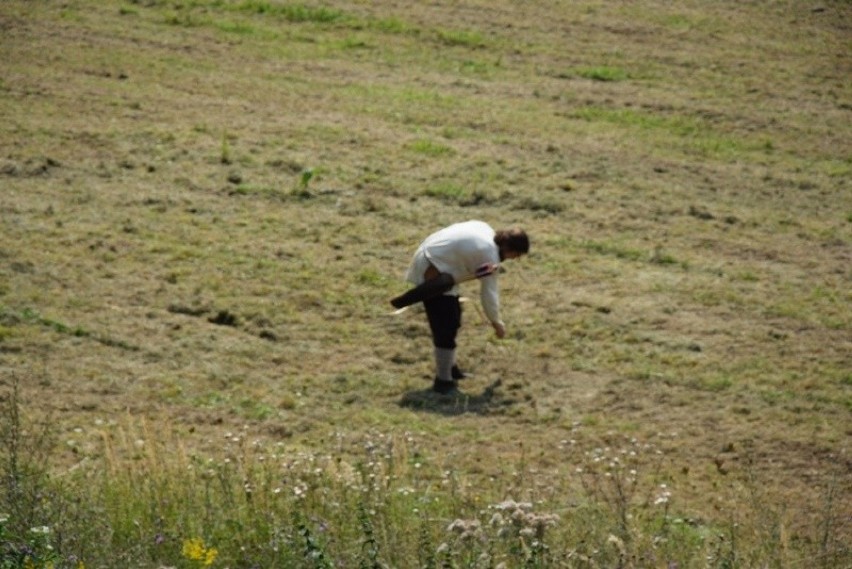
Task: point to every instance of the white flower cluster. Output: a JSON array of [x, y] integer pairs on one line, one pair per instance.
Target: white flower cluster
[[467, 530], [664, 496], [511, 516]]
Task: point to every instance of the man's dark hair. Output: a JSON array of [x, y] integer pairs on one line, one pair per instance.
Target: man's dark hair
[[515, 239]]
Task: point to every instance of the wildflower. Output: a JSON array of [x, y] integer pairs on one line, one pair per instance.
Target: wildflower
[[457, 526], [664, 495], [195, 550], [467, 529], [512, 505], [538, 523]]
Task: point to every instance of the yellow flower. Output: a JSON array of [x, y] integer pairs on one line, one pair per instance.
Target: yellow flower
[[210, 556], [194, 550]]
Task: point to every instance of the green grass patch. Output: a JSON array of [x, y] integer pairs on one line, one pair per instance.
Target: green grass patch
[[616, 250], [295, 13], [661, 257], [461, 38], [183, 19], [447, 191], [6, 333], [602, 73], [371, 277], [714, 384], [430, 148], [478, 68], [238, 28], [255, 410], [355, 43], [31, 315], [541, 205], [680, 126], [392, 26], [691, 134], [261, 190], [838, 168]]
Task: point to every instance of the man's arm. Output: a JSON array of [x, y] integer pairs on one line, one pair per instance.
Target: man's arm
[[490, 297]]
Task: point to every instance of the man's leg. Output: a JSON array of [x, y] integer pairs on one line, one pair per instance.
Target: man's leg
[[444, 314], [444, 363]]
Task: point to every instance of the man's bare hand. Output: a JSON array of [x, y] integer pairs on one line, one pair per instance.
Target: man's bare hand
[[499, 329]]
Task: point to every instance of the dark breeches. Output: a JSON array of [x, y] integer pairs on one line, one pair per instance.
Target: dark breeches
[[444, 314]]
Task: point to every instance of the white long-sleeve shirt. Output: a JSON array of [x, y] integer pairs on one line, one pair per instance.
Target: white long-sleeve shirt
[[459, 250]]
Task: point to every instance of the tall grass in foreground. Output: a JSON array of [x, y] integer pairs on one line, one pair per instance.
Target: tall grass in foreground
[[372, 501]]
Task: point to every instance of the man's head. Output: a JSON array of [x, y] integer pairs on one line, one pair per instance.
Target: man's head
[[512, 242]]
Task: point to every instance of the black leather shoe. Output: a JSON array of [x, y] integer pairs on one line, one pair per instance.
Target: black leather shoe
[[458, 373], [444, 387]]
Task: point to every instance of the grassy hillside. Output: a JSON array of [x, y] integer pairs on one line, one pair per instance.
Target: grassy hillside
[[207, 204]]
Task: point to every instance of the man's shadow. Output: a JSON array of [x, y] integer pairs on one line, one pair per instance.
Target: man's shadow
[[458, 403]]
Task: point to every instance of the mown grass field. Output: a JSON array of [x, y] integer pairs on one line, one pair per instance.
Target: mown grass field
[[205, 206]]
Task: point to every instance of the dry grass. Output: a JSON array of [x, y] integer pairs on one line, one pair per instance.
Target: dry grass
[[683, 170]]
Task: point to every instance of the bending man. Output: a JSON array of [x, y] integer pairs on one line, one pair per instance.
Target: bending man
[[462, 250]]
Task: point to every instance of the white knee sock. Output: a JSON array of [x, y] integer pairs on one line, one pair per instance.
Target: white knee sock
[[444, 360]]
